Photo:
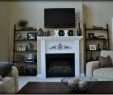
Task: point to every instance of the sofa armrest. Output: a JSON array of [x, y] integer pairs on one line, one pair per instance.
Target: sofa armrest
[[14, 73], [90, 66]]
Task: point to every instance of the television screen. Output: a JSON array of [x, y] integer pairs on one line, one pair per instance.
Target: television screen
[[59, 18]]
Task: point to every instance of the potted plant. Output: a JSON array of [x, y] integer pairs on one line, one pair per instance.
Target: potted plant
[[22, 23]]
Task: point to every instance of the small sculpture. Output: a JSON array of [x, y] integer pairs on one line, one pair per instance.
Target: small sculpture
[[18, 36], [40, 32]]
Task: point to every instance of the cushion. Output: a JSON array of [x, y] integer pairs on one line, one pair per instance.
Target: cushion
[[105, 61], [1, 78], [103, 73], [5, 68]]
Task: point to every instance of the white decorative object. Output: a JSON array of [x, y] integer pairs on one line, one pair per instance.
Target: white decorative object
[[66, 33], [59, 46], [56, 33]]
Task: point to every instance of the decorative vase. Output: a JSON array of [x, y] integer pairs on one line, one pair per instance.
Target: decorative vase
[[104, 45], [61, 33], [70, 32], [79, 31], [47, 33]]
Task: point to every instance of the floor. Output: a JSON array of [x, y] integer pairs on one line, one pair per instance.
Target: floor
[[24, 79]]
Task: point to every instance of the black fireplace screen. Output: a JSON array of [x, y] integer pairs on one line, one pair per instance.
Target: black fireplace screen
[[60, 65]]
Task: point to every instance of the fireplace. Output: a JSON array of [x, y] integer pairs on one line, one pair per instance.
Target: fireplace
[[59, 56], [60, 65]]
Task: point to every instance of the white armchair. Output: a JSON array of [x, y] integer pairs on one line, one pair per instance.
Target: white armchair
[[93, 70], [9, 84]]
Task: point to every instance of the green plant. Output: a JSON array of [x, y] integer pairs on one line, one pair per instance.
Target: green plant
[[23, 23]]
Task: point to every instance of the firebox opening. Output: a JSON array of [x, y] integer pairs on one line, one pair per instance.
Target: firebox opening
[[60, 65]]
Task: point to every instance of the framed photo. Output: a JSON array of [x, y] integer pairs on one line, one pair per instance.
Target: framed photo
[[91, 35], [21, 47], [92, 47], [31, 36]]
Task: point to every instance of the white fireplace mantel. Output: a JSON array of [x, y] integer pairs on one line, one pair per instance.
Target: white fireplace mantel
[[60, 38], [46, 44]]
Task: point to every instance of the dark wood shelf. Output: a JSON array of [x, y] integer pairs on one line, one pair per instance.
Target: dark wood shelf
[[27, 51], [25, 74], [97, 39], [93, 50], [91, 60], [25, 40], [96, 29], [25, 67], [25, 30], [96, 50], [91, 38], [24, 62]]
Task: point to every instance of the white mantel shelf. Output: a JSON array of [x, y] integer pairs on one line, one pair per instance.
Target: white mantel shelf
[[59, 37]]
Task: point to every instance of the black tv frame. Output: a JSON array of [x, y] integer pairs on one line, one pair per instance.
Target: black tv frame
[[58, 26]]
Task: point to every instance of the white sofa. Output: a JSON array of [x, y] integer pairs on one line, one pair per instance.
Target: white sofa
[[9, 83], [102, 74]]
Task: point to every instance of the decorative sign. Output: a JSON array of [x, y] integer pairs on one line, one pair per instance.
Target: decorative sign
[[60, 47]]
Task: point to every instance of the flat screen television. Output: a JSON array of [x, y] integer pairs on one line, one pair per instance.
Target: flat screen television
[[59, 18]]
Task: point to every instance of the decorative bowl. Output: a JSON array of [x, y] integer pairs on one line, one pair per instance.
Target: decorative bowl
[[78, 85]]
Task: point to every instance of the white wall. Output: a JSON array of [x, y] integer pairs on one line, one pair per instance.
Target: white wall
[[94, 13], [4, 32], [99, 13], [34, 13]]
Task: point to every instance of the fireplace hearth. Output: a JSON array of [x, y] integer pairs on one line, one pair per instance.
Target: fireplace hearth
[[60, 65]]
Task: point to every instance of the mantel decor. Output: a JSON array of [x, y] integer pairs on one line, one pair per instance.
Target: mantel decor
[[60, 47]]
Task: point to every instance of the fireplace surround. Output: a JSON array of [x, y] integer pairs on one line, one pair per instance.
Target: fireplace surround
[[59, 46]]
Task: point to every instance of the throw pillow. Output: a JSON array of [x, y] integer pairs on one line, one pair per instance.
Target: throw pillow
[[5, 68], [1, 78], [105, 62]]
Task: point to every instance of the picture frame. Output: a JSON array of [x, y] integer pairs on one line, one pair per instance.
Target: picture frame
[[90, 35], [21, 47], [31, 36], [92, 47]]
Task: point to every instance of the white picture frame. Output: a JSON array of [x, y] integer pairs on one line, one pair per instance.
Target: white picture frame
[[92, 47], [21, 47]]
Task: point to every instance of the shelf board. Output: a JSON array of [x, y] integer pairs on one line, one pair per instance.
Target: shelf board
[[24, 62], [95, 29], [25, 74], [25, 30], [91, 60], [27, 51], [97, 39], [92, 50], [96, 50], [26, 40]]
